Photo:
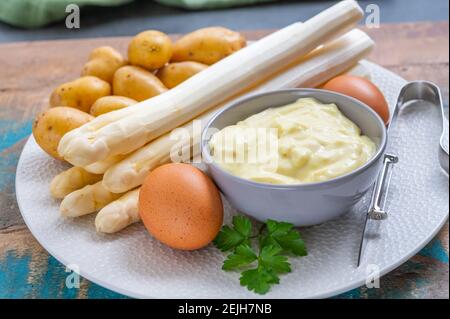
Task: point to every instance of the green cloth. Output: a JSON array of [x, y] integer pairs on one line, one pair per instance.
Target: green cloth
[[209, 4], [37, 13]]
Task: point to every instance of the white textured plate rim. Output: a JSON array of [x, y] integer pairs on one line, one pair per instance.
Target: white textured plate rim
[[323, 294], [57, 256]]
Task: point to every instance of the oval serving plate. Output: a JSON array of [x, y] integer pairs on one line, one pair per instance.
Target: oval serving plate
[[133, 263]]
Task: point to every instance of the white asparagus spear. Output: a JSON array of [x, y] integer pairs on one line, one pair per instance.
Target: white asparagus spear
[[318, 67], [101, 166], [70, 180], [208, 88], [86, 200], [133, 169], [118, 214], [359, 70]]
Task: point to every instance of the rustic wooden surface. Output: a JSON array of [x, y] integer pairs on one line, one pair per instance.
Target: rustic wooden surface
[[30, 70]]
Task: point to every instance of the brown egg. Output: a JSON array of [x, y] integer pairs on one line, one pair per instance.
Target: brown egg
[[361, 89], [180, 206]]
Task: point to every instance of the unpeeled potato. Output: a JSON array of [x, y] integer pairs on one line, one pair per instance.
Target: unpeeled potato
[[103, 62], [110, 103], [136, 83], [50, 126], [174, 73], [207, 45], [150, 49], [80, 93]]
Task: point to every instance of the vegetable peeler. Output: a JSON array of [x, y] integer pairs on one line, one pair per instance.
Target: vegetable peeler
[[413, 91]]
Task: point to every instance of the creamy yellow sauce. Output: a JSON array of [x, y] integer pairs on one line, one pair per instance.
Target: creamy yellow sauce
[[303, 142]]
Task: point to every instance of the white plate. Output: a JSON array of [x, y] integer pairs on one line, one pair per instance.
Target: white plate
[[135, 264]]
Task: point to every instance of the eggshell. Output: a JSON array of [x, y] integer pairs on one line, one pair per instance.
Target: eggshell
[[360, 89], [180, 206]]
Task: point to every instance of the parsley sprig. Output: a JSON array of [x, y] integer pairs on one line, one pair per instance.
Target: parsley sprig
[[260, 268]]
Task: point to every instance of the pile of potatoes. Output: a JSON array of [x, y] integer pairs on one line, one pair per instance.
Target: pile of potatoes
[[109, 82]]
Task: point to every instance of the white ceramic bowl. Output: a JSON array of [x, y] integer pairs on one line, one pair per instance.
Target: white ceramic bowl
[[302, 204]]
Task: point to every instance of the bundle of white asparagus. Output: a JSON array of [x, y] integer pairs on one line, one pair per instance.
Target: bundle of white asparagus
[[126, 144], [128, 129]]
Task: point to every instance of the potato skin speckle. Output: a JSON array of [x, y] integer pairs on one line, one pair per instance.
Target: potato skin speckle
[[136, 83], [80, 93], [175, 73], [180, 206], [207, 45], [150, 49], [50, 126], [103, 62], [110, 103]]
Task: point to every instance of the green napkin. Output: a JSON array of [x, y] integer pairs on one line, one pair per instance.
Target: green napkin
[[37, 13], [209, 4]]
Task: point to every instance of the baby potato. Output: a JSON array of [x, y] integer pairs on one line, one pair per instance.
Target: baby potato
[[136, 83], [150, 50], [207, 45], [103, 62], [110, 103], [50, 126], [80, 93], [174, 73]]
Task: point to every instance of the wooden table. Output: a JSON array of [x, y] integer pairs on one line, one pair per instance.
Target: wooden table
[[30, 70]]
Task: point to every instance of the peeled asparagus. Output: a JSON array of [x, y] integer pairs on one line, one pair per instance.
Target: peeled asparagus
[[70, 180], [118, 214], [86, 200], [151, 118], [133, 169], [101, 166], [315, 69], [359, 70]]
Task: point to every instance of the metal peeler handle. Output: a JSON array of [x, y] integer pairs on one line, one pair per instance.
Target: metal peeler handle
[[379, 194], [376, 210], [430, 92], [413, 91]]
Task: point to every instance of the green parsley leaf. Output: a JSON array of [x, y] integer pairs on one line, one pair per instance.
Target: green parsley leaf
[[270, 259], [229, 238], [283, 235], [243, 255], [278, 228], [259, 280], [242, 225], [275, 240], [291, 242]]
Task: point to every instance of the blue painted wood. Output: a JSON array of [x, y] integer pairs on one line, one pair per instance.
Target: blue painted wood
[[408, 281], [50, 284]]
